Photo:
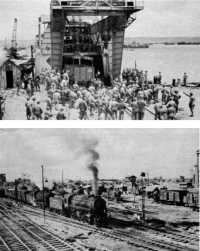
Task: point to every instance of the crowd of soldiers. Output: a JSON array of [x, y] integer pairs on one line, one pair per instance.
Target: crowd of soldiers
[[133, 94]]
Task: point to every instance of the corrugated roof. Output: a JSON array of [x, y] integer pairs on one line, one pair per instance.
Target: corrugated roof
[[18, 62], [3, 57]]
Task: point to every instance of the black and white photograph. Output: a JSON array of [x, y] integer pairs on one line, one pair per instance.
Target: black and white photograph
[[99, 60], [99, 189]]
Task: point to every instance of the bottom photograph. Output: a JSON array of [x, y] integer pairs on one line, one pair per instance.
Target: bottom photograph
[[99, 189]]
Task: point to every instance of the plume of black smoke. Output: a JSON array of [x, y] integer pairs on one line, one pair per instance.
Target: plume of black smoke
[[94, 156]]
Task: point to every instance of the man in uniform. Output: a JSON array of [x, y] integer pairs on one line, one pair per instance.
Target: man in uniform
[[171, 109], [134, 109], [121, 109], [82, 105], [61, 114], [37, 111], [141, 108], [192, 104], [28, 109]]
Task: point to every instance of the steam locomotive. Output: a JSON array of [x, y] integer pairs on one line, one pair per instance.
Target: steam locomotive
[[87, 208]]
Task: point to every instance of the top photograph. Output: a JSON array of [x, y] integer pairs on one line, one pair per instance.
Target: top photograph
[[99, 60]]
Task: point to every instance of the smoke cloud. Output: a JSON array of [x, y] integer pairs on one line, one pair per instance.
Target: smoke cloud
[[89, 148]]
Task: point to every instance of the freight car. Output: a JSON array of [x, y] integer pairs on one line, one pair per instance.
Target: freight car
[[10, 193], [192, 198], [186, 197], [56, 204], [40, 201], [175, 197], [34, 198]]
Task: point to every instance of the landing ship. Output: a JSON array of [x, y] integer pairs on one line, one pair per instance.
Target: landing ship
[[85, 37]]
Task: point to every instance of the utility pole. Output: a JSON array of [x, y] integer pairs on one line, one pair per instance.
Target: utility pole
[[197, 169], [143, 195], [43, 192], [62, 177], [32, 62]]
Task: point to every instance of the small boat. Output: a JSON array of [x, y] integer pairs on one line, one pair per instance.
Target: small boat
[[193, 84]]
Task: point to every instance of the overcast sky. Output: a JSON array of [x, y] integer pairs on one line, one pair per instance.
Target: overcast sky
[[160, 152], [159, 18]]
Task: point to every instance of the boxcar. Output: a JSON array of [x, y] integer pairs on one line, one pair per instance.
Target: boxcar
[[39, 198], [21, 195], [56, 204], [176, 197], [10, 193], [192, 199], [30, 198]]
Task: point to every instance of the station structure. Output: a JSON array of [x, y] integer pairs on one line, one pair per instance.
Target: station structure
[[85, 37]]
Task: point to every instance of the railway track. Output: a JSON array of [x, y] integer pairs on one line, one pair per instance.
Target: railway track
[[133, 238], [47, 240], [10, 241]]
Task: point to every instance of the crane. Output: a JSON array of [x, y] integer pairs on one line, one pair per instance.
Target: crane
[[13, 49], [14, 35]]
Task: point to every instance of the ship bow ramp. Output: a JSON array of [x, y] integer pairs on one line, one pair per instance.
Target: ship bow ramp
[[85, 37]]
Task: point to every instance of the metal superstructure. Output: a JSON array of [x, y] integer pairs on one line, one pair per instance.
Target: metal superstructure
[[88, 32]]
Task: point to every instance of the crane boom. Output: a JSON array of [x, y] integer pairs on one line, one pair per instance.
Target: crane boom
[[14, 35]]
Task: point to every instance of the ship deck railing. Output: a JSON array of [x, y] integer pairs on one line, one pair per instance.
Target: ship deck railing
[[99, 4]]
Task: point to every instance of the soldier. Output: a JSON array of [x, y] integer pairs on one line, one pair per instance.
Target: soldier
[[163, 112], [134, 109], [191, 104], [157, 110], [141, 108], [37, 111], [121, 109], [28, 109], [37, 83], [47, 113], [2, 100], [61, 114], [171, 112], [82, 105], [18, 85], [185, 77], [113, 106]]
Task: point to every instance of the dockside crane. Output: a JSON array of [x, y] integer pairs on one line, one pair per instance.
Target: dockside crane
[[13, 49]]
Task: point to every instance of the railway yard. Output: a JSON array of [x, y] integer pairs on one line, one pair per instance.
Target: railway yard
[[23, 228]]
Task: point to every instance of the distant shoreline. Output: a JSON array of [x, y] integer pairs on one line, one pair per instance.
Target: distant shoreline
[[135, 45]]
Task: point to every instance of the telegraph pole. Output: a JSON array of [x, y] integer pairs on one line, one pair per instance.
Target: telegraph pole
[[143, 195], [62, 177], [43, 192]]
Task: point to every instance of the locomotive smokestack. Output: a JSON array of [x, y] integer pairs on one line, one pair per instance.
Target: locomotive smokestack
[[94, 155], [94, 169], [89, 148]]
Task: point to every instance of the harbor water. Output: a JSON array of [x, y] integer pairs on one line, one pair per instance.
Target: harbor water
[[172, 61]]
